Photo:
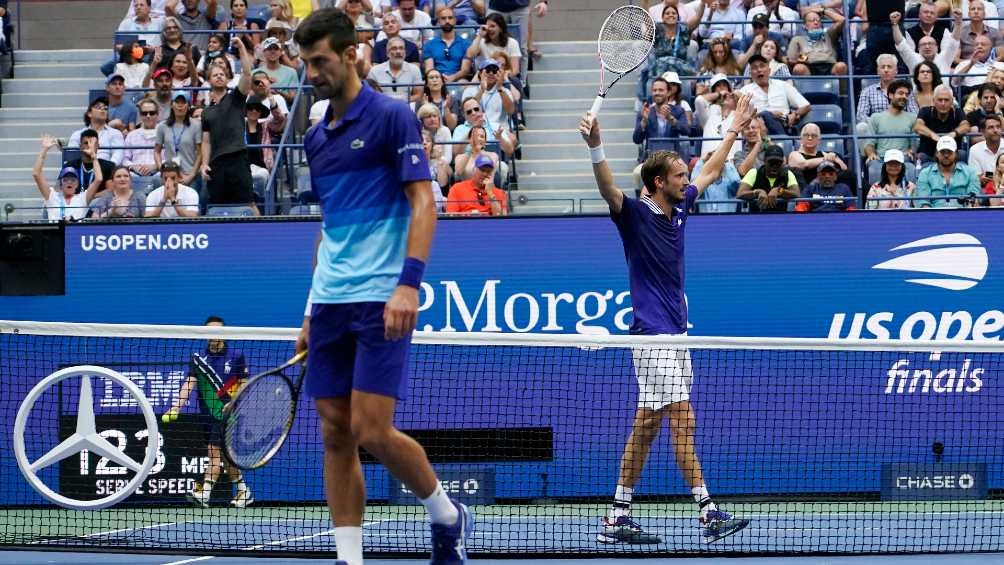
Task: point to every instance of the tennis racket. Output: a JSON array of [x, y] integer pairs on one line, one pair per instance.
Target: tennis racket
[[626, 39], [258, 419]]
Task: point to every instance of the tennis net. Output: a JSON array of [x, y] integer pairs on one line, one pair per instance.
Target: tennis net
[[826, 446]]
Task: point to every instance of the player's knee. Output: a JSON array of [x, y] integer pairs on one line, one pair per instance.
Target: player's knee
[[681, 416], [648, 422], [336, 434], [369, 433]]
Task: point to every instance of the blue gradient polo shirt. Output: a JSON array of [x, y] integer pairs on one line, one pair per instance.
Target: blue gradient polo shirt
[[653, 247], [358, 170]]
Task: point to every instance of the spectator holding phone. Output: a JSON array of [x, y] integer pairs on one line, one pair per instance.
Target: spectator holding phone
[[492, 37]]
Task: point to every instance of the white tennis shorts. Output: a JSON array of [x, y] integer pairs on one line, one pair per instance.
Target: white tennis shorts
[[664, 376]]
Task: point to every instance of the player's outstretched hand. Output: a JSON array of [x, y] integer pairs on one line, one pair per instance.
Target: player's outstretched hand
[[589, 127], [401, 313], [170, 416]]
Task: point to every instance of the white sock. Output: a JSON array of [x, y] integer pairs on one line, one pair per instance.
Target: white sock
[[440, 507], [622, 502], [703, 499], [349, 543]]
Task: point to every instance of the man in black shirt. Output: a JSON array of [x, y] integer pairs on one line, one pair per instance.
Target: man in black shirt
[[84, 164], [225, 165], [879, 38], [929, 24]]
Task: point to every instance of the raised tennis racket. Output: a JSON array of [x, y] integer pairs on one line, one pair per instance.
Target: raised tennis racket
[[258, 419], [626, 39]]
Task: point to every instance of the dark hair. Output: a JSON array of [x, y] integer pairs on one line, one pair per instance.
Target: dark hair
[[117, 168], [147, 2], [213, 318], [988, 86], [898, 84], [232, 3], [442, 87], [328, 23], [657, 166], [884, 177], [660, 79], [470, 132], [995, 117], [935, 74], [87, 134], [503, 28], [219, 37], [125, 53], [87, 117], [170, 115], [170, 167]]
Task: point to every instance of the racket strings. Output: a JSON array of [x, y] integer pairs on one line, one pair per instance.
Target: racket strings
[[259, 420], [626, 39]]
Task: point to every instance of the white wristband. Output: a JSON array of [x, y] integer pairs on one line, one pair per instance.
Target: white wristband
[[306, 311], [597, 155]]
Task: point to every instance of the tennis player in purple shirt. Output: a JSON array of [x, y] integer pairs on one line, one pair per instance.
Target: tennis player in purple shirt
[[652, 230]]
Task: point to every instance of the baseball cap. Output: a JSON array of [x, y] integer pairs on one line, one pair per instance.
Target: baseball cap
[[773, 153], [115, 77], [255, 103], [761, 19], [672, 77], [180, 94], [893, 156], [162, 71], [717, 78], [488, 63], [270, 42], [483, 161], [67, 172], [947, 143], [827, 164]]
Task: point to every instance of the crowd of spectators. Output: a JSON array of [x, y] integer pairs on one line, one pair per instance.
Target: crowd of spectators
[[928, 128], [198, 96]]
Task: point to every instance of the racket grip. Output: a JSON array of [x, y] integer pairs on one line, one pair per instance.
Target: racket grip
[[597, 104]]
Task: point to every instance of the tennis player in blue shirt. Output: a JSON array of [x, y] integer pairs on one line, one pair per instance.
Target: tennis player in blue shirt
[[652, 231], [370, 173]]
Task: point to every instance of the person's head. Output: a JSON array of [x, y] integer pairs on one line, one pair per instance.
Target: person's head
[[407, 9], [391, 25], [281, 10], [660, 91], [664, 175], [477, 136], [149, 112], [773, 160], [354, 8], [446, 19], [131, 52], [927, 47], [977, 11], [141, 8], [191, 6], [180, 108], [279, 29], [946, 151], [484, 169], [670, 16], [261, 84], [981, 48], [170, 172], [217, 77], [809, 137], [163, 81], [216, 44], [899, 93], [115, 87], [996, 76], [88, 141], [327, 40], [886, 65], [944, 100], [760, 70], [813, 21], [238, 8], [97, 113], [988, 94], [179, 66], [172, 30], [720, 84], [396, 51], [926, 76], [770, 51], [472, 110], [497, 28], [223, 64], [999, 170], [121, 181], [928, 13], [753, 131], [719, 52], [992, 129], [761, 24], [892, 167], [69, 182], [271, 50], [434, 82], [215, 345], [428, 114], [255, 109], [826, 174], [428, 143], [502, 58]]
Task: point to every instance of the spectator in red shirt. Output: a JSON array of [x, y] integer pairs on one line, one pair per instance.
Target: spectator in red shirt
[[478, 194]]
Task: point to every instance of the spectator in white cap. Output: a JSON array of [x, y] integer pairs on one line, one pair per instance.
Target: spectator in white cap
[[892, 184], [948, 184], [714, 112], [284, 78], [676, 97]]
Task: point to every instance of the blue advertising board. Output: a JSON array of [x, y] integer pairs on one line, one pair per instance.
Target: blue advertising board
[[768, 423]]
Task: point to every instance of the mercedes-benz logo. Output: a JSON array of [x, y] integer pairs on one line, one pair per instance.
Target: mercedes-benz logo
[[85, 437]]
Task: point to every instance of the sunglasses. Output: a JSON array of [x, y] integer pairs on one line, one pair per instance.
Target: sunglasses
[[470, 111], [154, 113]]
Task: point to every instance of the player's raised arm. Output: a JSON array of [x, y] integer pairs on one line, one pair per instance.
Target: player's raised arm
[[589, 127], [712, 169]]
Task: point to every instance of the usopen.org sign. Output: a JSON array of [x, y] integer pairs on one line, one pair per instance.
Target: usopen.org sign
[[908, 275]]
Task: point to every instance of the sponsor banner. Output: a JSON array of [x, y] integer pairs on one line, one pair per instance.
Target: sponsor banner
[[469, 485], [934, 481]]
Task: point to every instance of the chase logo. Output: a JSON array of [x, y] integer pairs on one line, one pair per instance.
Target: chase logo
[[959, 258]]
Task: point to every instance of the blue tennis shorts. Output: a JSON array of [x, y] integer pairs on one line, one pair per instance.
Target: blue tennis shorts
[[347, 351]]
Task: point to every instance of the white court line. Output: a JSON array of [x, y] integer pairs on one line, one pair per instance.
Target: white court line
[[301, 538], [108, 533], [193, 560]]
